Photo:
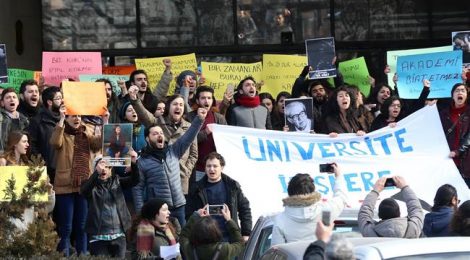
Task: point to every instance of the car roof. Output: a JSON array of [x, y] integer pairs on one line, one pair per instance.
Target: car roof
[[296, 250], [408, 247]]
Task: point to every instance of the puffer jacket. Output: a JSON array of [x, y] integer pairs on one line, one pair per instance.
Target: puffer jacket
[[161, 179], [172, 133], [302, 212], [407, 227], [254, 117], [436, 223]]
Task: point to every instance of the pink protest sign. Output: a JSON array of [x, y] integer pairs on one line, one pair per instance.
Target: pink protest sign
[[57, 66]]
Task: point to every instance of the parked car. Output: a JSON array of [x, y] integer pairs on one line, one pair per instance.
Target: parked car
[[380, 248], [260, 238]]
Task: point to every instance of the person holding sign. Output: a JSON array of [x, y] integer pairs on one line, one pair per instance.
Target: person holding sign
[[341, 114], [73, 145], [456, 124], [108, 217], [150, 100], [247, 110], [159, 167]]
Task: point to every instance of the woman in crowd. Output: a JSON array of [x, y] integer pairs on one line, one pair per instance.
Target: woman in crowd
[[390, 113], [16, 155], [152, 229], [436, 222], [278, 120], [16, 150], [267, 100], [201, 238], [460, 225], [73, 145], [361, 110], [455, 121], [377, 97], [117, 143], [340, 114]]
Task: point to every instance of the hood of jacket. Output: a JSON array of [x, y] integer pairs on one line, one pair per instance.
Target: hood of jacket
[[394, 227], [302, 208]]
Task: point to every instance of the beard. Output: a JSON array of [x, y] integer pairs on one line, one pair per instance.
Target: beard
[[55, 109]]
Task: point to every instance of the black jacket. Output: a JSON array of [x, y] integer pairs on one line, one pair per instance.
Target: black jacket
[[315, 251], [238, 204], [40, 131], [93, 190]]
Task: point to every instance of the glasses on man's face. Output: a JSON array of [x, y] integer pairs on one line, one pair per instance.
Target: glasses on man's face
[[57, 98], [297, 116]]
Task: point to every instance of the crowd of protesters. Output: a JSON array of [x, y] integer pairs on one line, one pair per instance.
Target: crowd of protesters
[[176, 174]]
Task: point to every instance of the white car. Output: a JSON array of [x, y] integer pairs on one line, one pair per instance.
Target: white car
[[379, 248], [260, 237]]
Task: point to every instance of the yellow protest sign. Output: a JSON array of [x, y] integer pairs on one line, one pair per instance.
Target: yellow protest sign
[[219, 75], [154, 68], [20, 176], [281, 71], [84, 98]]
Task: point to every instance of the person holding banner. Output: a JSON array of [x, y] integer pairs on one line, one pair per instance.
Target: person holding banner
[[340, 114], [456, 124], [293, 224], [391, 224], [247, 110], [159, 166], [74, 146], [277, 115]]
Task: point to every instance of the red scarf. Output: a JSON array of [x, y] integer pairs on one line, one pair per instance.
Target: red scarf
[[246, 101]]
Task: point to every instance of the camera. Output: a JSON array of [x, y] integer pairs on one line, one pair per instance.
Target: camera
[[389, 182], [327, 167], [215, 209]]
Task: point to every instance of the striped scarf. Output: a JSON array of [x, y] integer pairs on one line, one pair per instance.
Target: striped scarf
[[81, 154]]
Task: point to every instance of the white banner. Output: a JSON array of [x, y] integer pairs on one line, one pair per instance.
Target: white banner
[[263, 161]]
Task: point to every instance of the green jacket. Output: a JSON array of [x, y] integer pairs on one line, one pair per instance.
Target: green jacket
[[205, 252]]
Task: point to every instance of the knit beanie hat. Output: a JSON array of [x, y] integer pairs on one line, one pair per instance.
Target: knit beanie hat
[[151, 208], [182, 76], [97, 159], [388, 209], [122, 111]]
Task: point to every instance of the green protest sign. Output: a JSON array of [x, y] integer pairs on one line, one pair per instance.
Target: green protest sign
[[16, 77], [112, 78], [355, 73]]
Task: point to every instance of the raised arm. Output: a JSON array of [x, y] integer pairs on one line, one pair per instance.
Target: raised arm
[[161, 90], [145, 117]]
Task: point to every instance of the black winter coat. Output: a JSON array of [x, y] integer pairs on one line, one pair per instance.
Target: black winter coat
[[93, 190], [238, 204]]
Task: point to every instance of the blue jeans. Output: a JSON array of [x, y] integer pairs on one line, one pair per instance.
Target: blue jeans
[[72, 210], [179, 214]]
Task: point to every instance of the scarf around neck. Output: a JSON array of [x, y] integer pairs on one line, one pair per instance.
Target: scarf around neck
[[246, 101], [157, 153], [81, 154]]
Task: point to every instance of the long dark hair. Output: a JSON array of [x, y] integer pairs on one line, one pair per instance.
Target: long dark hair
[[387, 103], [332, 107], [205, 231], [444, 196], [460, 223]]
